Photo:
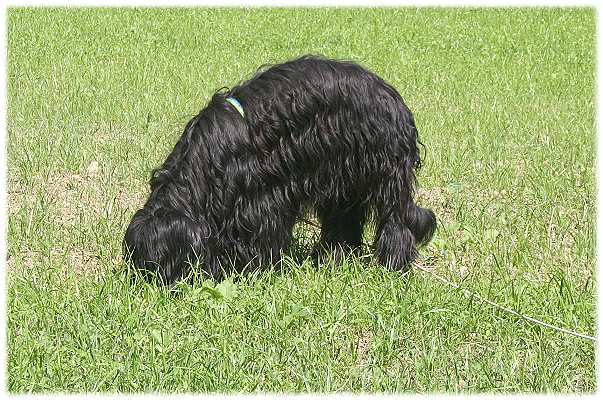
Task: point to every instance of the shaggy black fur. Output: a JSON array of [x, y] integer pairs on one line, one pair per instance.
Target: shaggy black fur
[[316, 133]]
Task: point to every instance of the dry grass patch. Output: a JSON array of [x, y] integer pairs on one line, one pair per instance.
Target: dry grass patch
[[75, 201], [70, 259], [363, 346], [86, 195]]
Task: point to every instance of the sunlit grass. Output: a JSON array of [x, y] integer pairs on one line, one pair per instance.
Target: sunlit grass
[[505, 102]]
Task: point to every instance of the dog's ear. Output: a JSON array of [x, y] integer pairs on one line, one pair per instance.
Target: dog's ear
[[163, 243]]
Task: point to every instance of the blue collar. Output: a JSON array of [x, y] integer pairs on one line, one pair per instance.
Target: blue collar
[[235, 103]]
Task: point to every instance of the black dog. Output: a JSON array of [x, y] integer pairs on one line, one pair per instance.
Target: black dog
[[309, 133]]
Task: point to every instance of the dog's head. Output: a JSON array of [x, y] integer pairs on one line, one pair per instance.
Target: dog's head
[[164, 242]]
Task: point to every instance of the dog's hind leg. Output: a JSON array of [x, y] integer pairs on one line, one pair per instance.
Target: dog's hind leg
[[399, 231], [395, 245], [341, 229], [421, 222]]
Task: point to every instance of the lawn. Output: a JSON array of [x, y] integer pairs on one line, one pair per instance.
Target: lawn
[[504, 100]]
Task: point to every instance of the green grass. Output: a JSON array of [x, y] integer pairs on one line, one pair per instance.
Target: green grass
[[505, 102]]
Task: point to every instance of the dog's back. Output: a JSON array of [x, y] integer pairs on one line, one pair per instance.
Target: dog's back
[[324, 115]]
